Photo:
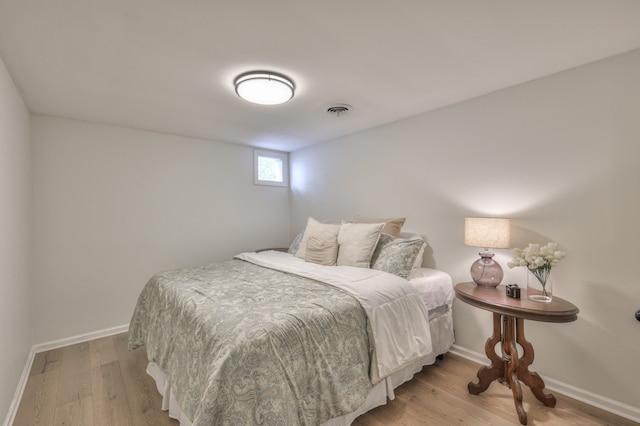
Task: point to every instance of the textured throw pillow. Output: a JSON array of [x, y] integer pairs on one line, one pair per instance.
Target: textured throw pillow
[[420, 257], [396, 255], [392, 226], [322, 252], [357, 242], [418, 263], [295, 244], [323, 231]]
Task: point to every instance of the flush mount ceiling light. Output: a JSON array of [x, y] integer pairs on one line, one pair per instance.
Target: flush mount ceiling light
[[264, 87]]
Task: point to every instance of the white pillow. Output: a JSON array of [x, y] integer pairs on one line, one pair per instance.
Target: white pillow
[[322, 231], [357, 241], [322, 252]]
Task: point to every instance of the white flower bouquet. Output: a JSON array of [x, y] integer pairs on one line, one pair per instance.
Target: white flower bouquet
[[539, 260]]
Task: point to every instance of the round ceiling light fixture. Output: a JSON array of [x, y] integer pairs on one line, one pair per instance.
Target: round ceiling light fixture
[[264, 87]]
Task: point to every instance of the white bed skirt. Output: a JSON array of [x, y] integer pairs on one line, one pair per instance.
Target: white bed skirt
[[441, 337]]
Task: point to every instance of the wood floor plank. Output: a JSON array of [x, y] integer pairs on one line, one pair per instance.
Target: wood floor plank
[[110, 400], [75, 413], [425, 406], [63, 389], [44, 362], [102, 351], [76, 370], [454, 381], [37, 407], [433, 404]]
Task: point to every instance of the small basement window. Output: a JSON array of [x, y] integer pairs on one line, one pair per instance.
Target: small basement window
[[270, 168]]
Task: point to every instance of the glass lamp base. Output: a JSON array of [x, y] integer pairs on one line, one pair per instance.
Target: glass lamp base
[[485, 271]]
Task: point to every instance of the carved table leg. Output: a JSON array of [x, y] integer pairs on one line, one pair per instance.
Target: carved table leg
[[531, 379], [488, 374], [510, 368], [510, 351]]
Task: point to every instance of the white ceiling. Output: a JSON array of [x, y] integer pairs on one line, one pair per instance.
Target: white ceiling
[[168, 65]]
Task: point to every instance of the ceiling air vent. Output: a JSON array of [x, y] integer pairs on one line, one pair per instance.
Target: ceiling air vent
[[338, 110]]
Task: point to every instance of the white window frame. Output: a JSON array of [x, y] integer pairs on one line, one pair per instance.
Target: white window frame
[[282, 156]]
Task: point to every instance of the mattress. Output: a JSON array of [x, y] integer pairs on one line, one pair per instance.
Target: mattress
[[435, 287]]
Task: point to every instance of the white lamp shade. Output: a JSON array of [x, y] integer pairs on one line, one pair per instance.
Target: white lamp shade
[[264, 88], [487, 232]]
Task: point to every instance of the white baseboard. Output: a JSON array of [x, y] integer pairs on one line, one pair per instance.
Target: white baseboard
[[599, 401], [41, 347], [468, 354]]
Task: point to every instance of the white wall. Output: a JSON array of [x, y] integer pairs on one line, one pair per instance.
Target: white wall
[[561, 157], [15, 238], [113, 206]]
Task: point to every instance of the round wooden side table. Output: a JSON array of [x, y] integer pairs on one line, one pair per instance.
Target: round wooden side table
[[508, 329]]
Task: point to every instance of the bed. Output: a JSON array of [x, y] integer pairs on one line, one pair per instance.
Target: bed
[[272, 338]]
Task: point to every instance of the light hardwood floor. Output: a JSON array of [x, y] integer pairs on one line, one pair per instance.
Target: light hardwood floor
[[101, 382]]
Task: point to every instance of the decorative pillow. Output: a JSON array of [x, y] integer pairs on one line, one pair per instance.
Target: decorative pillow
[[396, 255], [323, 231], [322, 252], [392, 226], [357, 242], [420, 257], [295, 244]]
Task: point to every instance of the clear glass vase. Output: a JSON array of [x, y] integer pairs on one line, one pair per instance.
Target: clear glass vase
[[540, 285]]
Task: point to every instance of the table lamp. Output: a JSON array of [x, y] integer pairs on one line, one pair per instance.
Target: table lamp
[[487, 232]]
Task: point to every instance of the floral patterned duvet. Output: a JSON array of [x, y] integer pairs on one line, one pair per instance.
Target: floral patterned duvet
[[242, 344]]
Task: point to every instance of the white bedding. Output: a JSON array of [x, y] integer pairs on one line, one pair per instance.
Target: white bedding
[[398, 317], [435, 287]]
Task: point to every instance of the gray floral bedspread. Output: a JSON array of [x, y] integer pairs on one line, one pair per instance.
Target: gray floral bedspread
[[242, 344]]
